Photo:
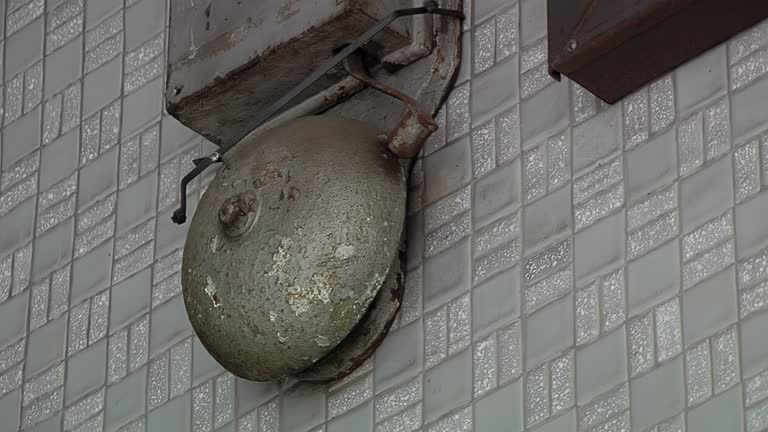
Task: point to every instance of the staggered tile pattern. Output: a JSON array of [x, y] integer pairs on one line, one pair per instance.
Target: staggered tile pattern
[[573, 266]]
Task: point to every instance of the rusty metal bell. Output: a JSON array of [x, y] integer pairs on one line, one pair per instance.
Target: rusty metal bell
[[291, 262]]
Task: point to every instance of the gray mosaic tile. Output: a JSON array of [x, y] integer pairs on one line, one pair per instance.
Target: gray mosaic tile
[[662, 101], [653, 277], [542, 338], [398, 399], [137, 347], [534, 80], [118, 356], [441, 285], [504, 182], [43, 384], [483, 149], [497, 260], [644, 176], [599, 248], [78, 328], [510, 352], [508, 135], [658, 394], [636, 118], [202, 408], [719, 413], [484, 45], [445, 236], [392, 367], [751, 228], [668, 330], [596, 139], [445, 209], [746, 43], [550, 288], [459, 324], [447, 386], [701, 80], [725, 360], [587, 314], [158, 382], [753, 269], [42, 408], [604, 407], [485, 366], [753, 299], [99, 317], [716, 130], [349, 397], [544, 113], [547, 261], [537, 395], [599, 368], [756, 388], [408, 421], [757, 418], [126, 400], [435, 337], [708, 263], [563, 378], [698, 367], [11, 379], [709, 307], [460, 421], [507, 24], [447, 169], [501, 410], [83, 409], [13, 313], [612, 297], [458, 112], [86, 371], [493, 92]]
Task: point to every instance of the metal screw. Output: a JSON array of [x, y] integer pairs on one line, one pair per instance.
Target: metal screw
[[572, 45]]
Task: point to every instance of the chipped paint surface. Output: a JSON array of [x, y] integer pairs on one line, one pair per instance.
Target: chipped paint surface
[[210, 289], [346, 251], [280, 259], [301, 294], [301, 299]]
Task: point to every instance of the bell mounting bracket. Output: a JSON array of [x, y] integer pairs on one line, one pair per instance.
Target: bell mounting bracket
[[410, 126]]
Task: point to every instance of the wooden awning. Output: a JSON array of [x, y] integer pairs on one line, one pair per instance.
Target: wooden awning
[[614, 47]]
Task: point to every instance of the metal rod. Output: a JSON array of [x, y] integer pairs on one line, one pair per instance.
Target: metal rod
[[180, 214]]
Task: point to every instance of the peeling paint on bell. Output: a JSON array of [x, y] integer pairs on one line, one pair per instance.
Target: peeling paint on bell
[[290, 248]]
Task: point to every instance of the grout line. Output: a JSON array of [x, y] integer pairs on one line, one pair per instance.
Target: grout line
[[731, 148]]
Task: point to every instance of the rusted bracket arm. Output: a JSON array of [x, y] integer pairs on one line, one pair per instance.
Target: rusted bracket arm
[[416, 125]]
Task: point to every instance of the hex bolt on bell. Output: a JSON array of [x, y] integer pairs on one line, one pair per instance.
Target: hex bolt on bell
[[293, 260]]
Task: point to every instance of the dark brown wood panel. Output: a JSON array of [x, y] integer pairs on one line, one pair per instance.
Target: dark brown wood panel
[[614, 47]]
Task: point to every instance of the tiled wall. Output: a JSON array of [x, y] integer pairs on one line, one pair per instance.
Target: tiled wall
[[572, 266]]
